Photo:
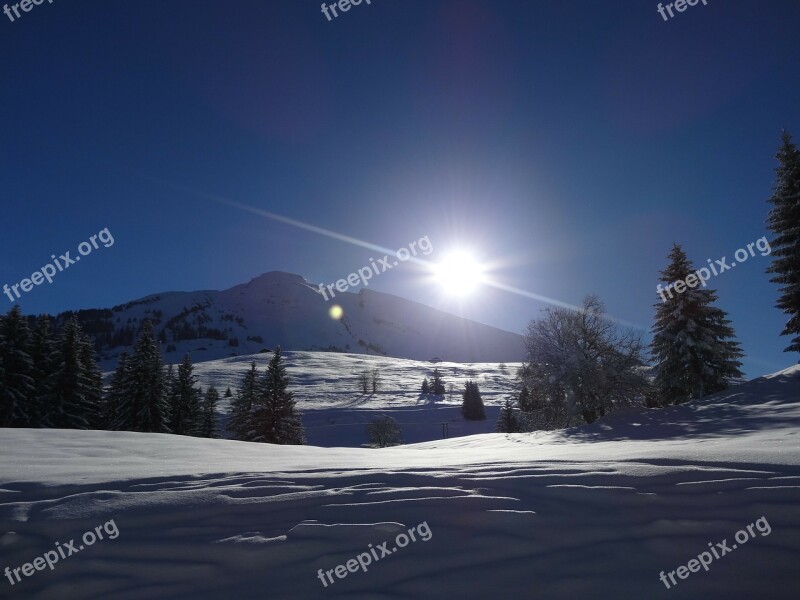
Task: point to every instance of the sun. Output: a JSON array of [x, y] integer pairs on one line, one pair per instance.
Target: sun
[[458, 274]]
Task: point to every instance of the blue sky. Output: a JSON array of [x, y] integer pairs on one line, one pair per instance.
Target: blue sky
[[567, 144]]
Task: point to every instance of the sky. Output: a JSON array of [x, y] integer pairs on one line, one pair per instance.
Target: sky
[[565, 145]]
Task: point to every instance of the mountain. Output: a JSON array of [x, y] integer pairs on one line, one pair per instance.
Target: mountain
[[284, 309]]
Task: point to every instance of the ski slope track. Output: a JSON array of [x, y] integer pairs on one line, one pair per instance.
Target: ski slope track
[[591, 512]]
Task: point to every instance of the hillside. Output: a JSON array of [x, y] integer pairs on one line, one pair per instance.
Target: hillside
[[284, 309], [592, 512]]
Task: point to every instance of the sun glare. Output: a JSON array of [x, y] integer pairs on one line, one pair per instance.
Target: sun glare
[[459, 273]]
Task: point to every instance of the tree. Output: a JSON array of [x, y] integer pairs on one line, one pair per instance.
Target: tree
[[524, 400], [383, 432], [509, 421], [145, 409], [241, 422], [206, 423], [363, 382], [580, 365], [17, 386], [119, 389], [437, 384], [472, 406], [185, 401], [426, 388], [228, 393], [43, 357], [693, 346], [375, 379], [276, 418], [77, 385], [784, 222]]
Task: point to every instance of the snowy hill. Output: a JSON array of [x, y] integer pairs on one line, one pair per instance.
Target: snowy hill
[[284, 309], [335, 411], [593, 512]]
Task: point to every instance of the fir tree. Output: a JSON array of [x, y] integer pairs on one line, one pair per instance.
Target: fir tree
[[472, 406], [228, 393], [437, 384], [426, 388], [118, 390], [241, 420], [17, 386], [509, 421], [276, 418], [784, 222], [185, 408], [145, 409], [693, 344], [77, 388], [206, 423], [43, 355]]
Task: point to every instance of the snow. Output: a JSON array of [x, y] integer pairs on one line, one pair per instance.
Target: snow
[[590, 512]]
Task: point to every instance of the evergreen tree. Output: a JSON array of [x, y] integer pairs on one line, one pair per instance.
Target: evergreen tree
[[228, 393], [276, 418], [693, 345], [145, 409], [784, 222], [206, 423], [43, 355], [77, 386], [426, 388], [119, 389], [185, 408], [509, 421], [437, 384], [17, 387], [472, 406], [241, 421]]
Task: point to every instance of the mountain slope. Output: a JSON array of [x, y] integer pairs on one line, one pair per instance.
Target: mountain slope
[[284, 309]]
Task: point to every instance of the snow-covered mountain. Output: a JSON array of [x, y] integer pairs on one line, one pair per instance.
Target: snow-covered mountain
[[285, 309], [601, 511]]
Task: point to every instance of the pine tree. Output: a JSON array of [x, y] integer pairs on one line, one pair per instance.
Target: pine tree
[[276, 418], [17, 386], [241, 423], [509, 421], [206, 423], [472, 406], [77, 386], [784, 222], [185, 408], [145, 409], [228, 393], [43, 355], [426, 388], [694, 346], [437, 384], [119, 389]]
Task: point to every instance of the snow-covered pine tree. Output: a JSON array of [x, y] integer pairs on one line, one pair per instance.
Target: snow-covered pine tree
[[206, 423], [694, 346], [241, 423], [508, 421], [145, 409], [276, 418], [185, 407], [784, 222], [77, 388], [43, 355], [472, 406], [17, 387]]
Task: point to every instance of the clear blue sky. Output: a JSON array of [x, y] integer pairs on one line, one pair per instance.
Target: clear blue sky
[[570, 144]]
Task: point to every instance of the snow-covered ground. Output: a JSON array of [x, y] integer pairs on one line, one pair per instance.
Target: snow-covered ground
[[335, 411], [591, 512]]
